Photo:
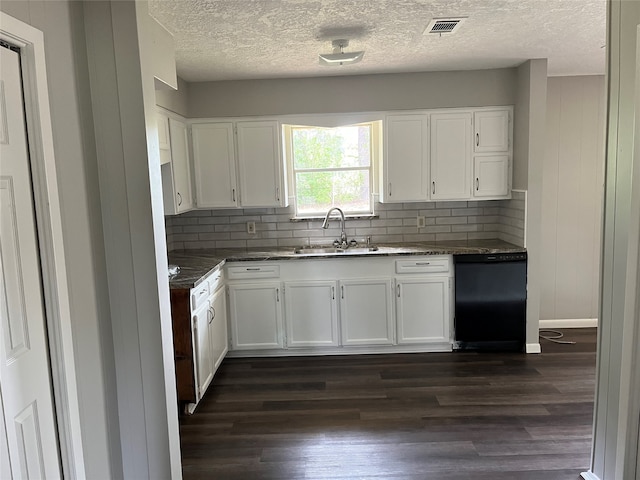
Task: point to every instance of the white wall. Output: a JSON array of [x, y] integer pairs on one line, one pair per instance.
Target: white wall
[[74, 148], [528, 158], [573, 176], [174, 100], [358, 93], [119, 46], [616, 418]]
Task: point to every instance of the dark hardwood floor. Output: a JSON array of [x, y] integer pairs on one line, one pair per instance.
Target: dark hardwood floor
[[445, 416]]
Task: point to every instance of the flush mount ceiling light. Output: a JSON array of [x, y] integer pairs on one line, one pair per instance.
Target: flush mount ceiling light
[[339, 56]]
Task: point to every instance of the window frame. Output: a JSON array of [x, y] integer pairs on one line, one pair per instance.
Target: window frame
[[375, 132]]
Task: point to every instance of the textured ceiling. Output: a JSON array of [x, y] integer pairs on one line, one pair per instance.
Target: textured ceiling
[[246, 39]]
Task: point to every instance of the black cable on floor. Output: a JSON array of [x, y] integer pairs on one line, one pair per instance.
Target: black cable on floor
[[555, 337]]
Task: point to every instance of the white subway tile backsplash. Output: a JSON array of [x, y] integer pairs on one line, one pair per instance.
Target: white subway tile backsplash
[[420, 237], [457, 212], [450, 236], [439, 212], [466, 228], [262, 243], [211, 220], [394, 223], [451, 220], [451, 204], [214, 236]]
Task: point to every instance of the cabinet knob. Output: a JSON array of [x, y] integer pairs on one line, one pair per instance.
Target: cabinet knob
[[433, 187], [179, 199], [477, 139], [233, 194], [477, 184], [389, 188]]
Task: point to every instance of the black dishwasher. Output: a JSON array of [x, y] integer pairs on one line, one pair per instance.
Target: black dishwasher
[[490, 301]]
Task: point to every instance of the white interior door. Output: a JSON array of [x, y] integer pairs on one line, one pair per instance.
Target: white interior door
[[25, 384]]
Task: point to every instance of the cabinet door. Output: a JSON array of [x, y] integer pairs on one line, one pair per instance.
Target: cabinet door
[[366, 312], [214, 164], [491, 174], [218, 336], [202, 354], [260, 164], [406, 159], [163, 137], [422, 310], [311, 313], [180, 166], [491, 131], [450, 156], [256, 316]]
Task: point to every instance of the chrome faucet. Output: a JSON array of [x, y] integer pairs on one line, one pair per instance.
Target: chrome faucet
[[343, 236]]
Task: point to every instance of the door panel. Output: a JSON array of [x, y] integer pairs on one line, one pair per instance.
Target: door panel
[[366, 312], [311, 313], [24, 362], [450, 156]]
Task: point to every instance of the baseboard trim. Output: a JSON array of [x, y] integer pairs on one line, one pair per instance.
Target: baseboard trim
[[589, 476], [569, 323], [533, 348]]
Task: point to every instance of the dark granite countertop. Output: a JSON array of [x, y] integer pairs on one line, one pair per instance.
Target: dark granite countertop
[[196, 264]]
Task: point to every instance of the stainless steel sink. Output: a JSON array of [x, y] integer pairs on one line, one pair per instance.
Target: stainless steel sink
[[333, 250]]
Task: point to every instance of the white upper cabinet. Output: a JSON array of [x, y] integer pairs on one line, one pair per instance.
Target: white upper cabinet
[[492, 153], [491, 176], [260, 164], [173, 141], [450, 156], [163, 137], [249, 173], [180, 167], [406, 159], [214, 162], [491, 131]]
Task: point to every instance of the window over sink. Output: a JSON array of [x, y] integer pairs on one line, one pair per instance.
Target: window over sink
[[332, 167]]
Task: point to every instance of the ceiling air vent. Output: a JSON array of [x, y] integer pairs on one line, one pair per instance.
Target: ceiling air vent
[[444, 25]]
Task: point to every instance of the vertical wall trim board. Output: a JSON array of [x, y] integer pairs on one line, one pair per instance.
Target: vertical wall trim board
[[620, 267], [572, 197]]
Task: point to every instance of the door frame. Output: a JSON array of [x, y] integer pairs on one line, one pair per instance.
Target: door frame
[[30, 41]]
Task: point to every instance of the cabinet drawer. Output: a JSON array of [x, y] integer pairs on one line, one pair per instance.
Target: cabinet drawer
[[430, 265], [199, 295], [215, 280], [253, 271]]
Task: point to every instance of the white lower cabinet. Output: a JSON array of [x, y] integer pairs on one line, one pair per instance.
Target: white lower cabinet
[[311, 313], [218, 328], [422, 309], [374, 304], [256, 316], [202, 346], [366, 311]]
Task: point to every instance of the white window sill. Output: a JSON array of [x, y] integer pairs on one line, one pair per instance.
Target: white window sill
[[366, 216]]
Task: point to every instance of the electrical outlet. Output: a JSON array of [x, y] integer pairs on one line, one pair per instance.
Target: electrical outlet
[[420, 221], [251, 227]]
